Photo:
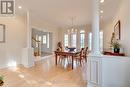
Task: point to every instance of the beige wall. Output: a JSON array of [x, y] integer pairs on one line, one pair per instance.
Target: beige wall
[[107, 29], [124, 16], [16, 30], [11, 50]]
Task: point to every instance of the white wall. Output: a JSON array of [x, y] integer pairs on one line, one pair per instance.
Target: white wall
[[124, 16], [107, 29], [16, 30], [11, 50]]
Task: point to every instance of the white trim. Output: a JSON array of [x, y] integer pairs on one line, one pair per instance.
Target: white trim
[[41, 29], [94, 71], [6, 66], [42, 58]]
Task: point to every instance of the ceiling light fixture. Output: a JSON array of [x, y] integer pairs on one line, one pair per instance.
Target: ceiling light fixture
[[20, 7], [72, 29], [101, 1], [101, 11]]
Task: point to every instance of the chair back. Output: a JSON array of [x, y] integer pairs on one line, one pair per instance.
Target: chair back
[[86, 52], [81, 52]]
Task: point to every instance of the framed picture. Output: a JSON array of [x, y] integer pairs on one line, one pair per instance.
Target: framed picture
[[2, 33], [117, 30]]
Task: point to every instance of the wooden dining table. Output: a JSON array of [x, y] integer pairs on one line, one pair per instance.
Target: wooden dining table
[[66, 53]]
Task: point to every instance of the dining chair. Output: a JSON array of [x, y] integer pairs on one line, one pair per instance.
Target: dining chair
[[80, 56], [63, 58], [85, 53]]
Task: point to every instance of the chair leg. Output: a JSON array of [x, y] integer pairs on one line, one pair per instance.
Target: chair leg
[[85, 59], [58, 60], [80, 62], [68, 60]]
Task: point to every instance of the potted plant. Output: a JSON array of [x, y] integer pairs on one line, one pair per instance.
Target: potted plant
[[116, 45], [1, 80]]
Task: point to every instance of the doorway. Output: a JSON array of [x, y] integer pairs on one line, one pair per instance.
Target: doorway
[[42, 43]]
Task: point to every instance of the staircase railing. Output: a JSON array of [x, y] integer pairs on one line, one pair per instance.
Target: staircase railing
[[38, 51]]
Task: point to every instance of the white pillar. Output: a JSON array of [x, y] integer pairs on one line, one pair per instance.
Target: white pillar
[[94, 59], [28, 52], [29, 30], [95, 28]]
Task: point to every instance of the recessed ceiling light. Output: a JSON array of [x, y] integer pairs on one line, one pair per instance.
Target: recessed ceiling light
[[20, 7], [101, 11], [101, 1]]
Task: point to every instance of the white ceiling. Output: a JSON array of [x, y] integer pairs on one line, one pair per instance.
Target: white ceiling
[[60, 12]]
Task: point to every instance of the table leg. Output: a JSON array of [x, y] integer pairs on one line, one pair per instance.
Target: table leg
[[72, 62], [56, 59]]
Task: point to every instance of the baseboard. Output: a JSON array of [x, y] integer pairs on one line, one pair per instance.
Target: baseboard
[[6, 66], [3, 66], [42, 58]]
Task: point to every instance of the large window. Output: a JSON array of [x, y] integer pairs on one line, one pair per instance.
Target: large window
[[101, 41], [90, 41], [48, 40], [66, 40], [73, 40], [82, 38], [44, 39], [38, 38]]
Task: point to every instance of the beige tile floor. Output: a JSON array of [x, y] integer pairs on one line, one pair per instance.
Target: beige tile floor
[[45, 74]]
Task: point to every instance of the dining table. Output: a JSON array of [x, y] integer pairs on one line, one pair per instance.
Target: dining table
[[71, 54]]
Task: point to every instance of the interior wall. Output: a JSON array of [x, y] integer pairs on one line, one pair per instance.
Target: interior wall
[[43, 47], [11, 50], [123, 15], [107, 29]]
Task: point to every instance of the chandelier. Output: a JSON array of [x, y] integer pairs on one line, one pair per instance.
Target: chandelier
[[73, 29]]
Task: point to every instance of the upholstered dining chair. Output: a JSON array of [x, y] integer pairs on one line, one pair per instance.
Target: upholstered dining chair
[[85, 53], [79, 57], [82, 56]]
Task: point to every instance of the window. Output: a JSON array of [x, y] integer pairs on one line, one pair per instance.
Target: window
[[82, 38], [66, 40], [101, 41], [73, 40], [90, 41], [39, 38], [48, 42], [44, 39]]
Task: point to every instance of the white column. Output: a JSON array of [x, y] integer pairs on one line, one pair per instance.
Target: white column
[[95, 28], [94, 59], [29, 30], [28, 52]]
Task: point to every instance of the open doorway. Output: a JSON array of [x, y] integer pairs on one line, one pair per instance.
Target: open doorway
[[42, 43]]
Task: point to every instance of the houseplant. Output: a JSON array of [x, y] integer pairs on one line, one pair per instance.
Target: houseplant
[[116, 46], [1, 80]]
